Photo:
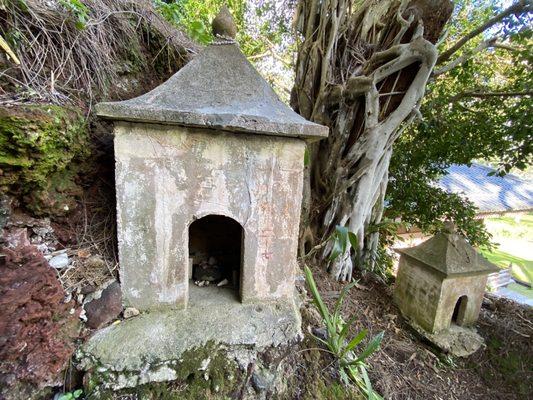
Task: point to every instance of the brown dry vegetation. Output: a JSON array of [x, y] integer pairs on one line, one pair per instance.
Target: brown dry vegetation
[[65, 60]]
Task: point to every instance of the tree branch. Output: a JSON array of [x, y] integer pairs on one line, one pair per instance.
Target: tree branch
[[482, 95], [465, 57], [519, 7]]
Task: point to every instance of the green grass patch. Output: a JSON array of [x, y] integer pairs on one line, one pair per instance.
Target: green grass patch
[[521, 269], [514, 234], [521, 289], [511, 227]]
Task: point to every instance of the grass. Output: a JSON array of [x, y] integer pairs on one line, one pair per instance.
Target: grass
[[514, 236], [521, 289], [508, 226], [521, 268]]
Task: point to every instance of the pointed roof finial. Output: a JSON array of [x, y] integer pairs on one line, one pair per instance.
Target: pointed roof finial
[[449, 226], [224, 25]]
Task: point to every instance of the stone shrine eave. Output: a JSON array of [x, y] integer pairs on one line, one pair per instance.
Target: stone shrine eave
[[443, 274], [451, 255], [228, 122], [218, 89]]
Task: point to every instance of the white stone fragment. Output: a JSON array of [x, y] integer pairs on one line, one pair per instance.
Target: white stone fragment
[[59, 262], [223, 282]]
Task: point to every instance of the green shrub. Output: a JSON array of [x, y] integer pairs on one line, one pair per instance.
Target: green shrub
[[352, 367]]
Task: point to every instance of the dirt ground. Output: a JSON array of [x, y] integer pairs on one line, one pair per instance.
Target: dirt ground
[[406, 367]]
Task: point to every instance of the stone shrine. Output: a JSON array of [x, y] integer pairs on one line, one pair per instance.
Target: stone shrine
[[440, 286], [209, 175]]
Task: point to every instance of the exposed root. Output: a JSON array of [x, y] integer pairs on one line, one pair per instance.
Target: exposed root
[[373, 62]]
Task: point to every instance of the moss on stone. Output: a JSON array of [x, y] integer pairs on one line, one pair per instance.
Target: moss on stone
[[206, 372], [38, 144]]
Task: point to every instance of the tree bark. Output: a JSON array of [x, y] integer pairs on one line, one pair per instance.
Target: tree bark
[[362, 69]]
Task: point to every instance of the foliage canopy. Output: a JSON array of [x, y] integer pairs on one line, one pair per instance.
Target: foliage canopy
[[477, 110]]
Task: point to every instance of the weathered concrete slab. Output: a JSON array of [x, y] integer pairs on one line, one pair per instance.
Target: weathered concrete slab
[[149, 347], [456, 340]]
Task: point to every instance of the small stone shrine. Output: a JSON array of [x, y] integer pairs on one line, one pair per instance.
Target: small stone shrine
[[209, 175], [439, 288]]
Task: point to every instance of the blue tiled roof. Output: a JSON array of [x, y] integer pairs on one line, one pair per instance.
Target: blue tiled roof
[[489, 193]]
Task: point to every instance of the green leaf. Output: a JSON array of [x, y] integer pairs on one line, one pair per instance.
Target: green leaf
[[317, 298], [336, 250], [306, 157], [371, 394], [342, 295], [77, 393], [340, 238], [342, 233], [346, 327], [368, 384], [372, 347], [355, 341], [353, 240]]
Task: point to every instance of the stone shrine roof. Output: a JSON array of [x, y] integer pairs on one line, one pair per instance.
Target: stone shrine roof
[[450, 254], [218, 89]]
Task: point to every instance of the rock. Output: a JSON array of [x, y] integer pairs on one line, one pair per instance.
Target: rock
[[59, 261], [311, 315], [130, 312], [17, 237], [259, 383], [223, 282], [38, 329], [212, 261], [5, 209], [44, 139], [456, 340], [87, 289], [320, 333], [105, 308]]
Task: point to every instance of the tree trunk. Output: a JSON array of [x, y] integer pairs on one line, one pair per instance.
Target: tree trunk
[[362, 70]]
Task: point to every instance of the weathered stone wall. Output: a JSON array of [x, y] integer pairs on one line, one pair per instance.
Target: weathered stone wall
[[168, 176], [473, 287], [417, 292]]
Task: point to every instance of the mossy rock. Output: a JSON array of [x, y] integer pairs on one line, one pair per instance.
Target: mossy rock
[[39, 147], [202, 373]]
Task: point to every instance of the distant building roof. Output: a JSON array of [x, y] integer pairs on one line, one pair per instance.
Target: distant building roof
[[489, 193]]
